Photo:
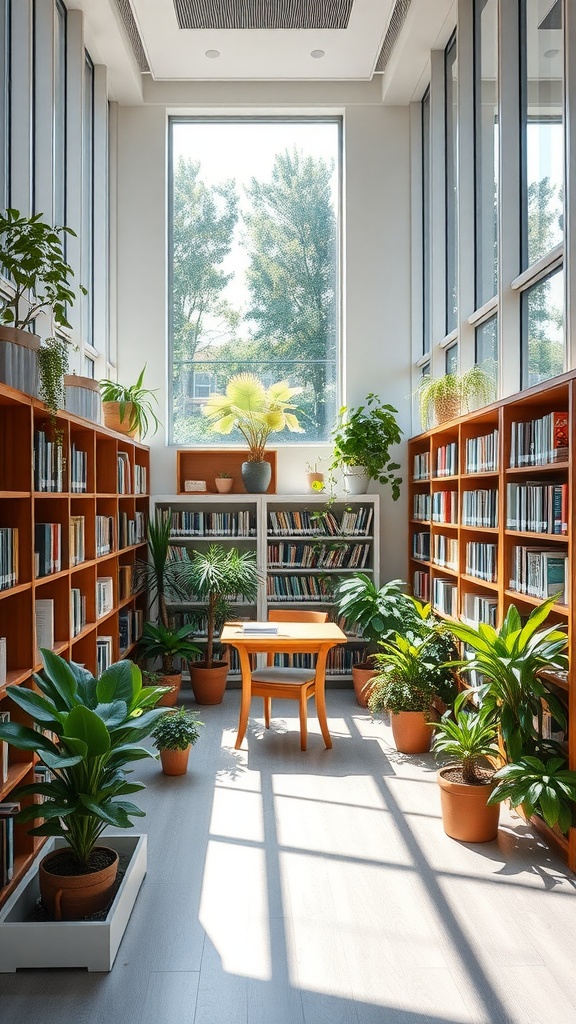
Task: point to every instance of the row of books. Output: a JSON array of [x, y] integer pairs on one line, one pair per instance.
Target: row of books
[[537, 507], [340, 660], [421, 469], [541, 441], [480, 508], [125, 476], [78, 470], [239, 523], [476, 609], [130, 623], [77, 539], [125, 581], [421, 585], [445, 507], [540, 572], [8, 812], [131, 531], [48, 463], [482, 453], [44, 617], [298, 588], [140, 479], [8, 557], [104, 596], [447, 460], [318, 556], [47, 549], [104, 526], [77, 611], [421, 546], [482, 561], [446, 551], [104, 653], [352, 522], [422, 507], [445, 597]]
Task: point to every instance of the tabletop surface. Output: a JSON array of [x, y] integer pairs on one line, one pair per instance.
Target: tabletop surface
[[233, 633]]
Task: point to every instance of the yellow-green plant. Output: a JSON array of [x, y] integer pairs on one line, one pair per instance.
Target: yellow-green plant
[[254, 410]]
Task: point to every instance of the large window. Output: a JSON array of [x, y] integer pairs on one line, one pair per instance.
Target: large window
[[5, 103], [543, 329], [487, 347], [451, 116], [254, 265], [486, 147], [60, 115], [426, 232], [542, 71], [88, 203]]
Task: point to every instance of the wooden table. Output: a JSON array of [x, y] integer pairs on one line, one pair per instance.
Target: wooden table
[[292, 638]]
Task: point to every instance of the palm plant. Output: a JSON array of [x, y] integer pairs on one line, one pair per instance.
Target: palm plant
[[155, 574], [509, 660], [254, 410], [158, 641], [468, 736]]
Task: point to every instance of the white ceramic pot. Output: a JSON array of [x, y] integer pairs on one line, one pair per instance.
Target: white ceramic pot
[[356, 479]]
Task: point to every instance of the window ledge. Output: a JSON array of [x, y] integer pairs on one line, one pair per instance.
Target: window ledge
[[484, 312], [449, 339], [541, 268]]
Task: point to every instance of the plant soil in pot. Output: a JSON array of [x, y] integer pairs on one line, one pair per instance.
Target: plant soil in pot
[[68, 892], [412, 734], [208, 684], [465, 813]]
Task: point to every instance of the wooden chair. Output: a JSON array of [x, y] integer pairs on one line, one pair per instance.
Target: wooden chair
[[285, 681]]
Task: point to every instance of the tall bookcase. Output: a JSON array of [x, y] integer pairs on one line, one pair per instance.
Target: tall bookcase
[[51, 566], [492, 498], [300, 552]]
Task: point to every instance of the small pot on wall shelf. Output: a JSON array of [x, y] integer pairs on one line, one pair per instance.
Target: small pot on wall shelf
[[224, 484], [83, 397], [356, 479], [315, 482], [118, 420], [256, 476]]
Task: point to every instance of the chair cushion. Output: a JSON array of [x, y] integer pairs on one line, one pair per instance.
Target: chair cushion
[[276, 674]]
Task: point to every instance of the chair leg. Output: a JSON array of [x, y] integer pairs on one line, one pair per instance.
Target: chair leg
[[303, 718], [267, 710]]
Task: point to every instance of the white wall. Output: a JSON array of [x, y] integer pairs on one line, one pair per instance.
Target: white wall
[[376, 307]]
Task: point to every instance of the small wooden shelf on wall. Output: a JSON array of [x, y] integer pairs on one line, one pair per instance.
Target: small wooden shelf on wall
[[207, 464]]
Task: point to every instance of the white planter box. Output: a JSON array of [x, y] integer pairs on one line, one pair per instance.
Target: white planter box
[[91, 944]]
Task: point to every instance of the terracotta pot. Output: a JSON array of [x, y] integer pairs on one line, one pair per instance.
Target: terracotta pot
[[465, 814], [314, 478], [208, 684], [412, 734], [170, 699], [111, 412], [175, 762], [362, 679], [224, 484], [72, 897]]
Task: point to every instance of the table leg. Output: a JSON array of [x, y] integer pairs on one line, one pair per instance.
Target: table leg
[[321, 694], [246, 670]]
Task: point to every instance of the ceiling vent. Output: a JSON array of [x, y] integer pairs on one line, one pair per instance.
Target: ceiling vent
[[267, 14], [395, 24], [125, 11]]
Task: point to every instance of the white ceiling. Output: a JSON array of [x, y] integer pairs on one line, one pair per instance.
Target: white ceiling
[[142, 45]]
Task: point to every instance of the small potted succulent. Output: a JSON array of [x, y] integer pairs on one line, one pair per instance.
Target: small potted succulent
[[468, 735], [362, 439], [174, 736], [224, 482], [129, 409]]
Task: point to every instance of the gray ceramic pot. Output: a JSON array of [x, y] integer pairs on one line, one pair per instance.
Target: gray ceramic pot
[[256, 476]]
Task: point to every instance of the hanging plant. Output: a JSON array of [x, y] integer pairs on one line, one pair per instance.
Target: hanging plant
[[52, 365]]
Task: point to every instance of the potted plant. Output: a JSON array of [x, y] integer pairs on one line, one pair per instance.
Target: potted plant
[[546, 788], [154, 574], [445, 398], [224, 483], [315, 477], [257, 412], [467, 734], [32, 259], [85, 731], [129, 409], [375, 613], [215, 577], [405, 689], [158, 641], [174, 735], [362, 439]]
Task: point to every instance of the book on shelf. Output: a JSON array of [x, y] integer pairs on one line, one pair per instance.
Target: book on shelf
[[103, 653], [4, 751], [421, 585], [421, 466], [77, 611], [124, 474], [104, 535], [477, 608], [47, 548], [44, 609], [535, 507], [8, 557], [318, 556], [540, 572], [445, 551], [140, 479], [482, 560], [125, 575], [8, 812], [197, 523], [130, 622], [445, 507], [2, 661], [48, 463], [444, 596], [447, 460], [480, 508], [421, 546], [540, 441], [422, 507], [482, 453], [78, 470], [77, 539], [104, 596]]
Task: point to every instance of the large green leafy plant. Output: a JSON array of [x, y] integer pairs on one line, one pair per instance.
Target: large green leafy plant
[[404, 682], [32, 257], [363, 436], [87, 731], [254, 410], [546, 787], [376, 611]]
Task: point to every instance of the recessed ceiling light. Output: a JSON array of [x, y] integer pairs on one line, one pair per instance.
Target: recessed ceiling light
[[317, 54], [551, 53], [212, 53]]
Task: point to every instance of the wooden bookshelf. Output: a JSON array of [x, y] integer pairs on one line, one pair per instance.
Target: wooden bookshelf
[[89, 478], [553, 470], [206, 464]]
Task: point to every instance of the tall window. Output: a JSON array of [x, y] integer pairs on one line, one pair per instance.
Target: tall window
[[426, 233], [254, 265], [487, 347], [60, 115], [542, 79], [543, 329], [486, 147], [451, 114], [5, 103], [451, 359], [88, 203]]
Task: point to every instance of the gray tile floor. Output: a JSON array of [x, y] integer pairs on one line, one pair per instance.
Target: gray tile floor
[[319, 888]]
